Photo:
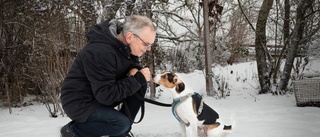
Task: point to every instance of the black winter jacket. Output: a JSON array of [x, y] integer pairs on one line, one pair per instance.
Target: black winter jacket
[[98, 76]]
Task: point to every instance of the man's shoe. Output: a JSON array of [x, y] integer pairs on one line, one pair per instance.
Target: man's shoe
[[129, 134], [66, 131]]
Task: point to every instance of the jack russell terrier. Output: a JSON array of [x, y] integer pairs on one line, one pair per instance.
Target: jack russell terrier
[[189, 109]]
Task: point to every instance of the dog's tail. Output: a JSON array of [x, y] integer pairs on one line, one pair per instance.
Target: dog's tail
[[233, 123], [224, 129]]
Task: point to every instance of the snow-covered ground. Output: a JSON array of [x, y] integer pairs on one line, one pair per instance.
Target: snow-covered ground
[[255, 115]]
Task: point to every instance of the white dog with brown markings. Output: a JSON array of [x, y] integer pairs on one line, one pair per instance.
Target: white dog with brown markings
[[189, 109]]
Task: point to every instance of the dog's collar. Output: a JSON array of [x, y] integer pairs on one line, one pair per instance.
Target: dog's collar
[[176, 102]]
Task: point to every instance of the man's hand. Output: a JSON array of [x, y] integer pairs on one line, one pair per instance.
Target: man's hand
[[146, 73], [133, 71]]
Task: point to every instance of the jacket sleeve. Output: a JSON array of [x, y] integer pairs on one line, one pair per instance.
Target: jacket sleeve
[[100, 69]]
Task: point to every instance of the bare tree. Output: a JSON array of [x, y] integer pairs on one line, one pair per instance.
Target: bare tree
[[16, 34], [286, 37], [208, 68], [266, 63], [37, 55], [264, 60], [239, 32], [295, 41]]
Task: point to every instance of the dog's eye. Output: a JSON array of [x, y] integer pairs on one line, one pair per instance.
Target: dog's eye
[[163, 76]]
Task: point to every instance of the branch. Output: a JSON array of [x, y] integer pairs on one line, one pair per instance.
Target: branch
[[246, 16], [178, 39], [310, 14], [312, 33], [171, 14]]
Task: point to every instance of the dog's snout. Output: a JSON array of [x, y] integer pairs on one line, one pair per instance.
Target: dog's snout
[[155, 78], [156, 85]]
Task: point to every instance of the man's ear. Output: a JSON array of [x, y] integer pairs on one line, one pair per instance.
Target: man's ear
[[128, 37], [180, 87]]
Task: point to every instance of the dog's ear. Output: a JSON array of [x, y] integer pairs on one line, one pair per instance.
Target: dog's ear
[[180, 87]]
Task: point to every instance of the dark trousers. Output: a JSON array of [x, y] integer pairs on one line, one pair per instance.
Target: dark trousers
[[109, 121]]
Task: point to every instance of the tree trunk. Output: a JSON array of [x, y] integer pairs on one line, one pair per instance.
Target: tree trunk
[[294, 43], [286, 37], [208, 67], [263, 62], [151, 62], [6, 86]]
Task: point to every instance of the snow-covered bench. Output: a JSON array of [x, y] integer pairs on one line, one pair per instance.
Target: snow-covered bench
[[307, 92]]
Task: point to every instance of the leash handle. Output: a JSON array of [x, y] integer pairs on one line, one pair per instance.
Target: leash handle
[[126, 109]]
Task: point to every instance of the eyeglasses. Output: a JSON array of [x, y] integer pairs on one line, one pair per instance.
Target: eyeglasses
[[147, 45]]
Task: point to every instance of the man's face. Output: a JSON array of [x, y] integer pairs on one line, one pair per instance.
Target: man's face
[[140, 43]]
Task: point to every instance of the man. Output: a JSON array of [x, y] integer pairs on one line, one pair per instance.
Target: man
[[105, 73]]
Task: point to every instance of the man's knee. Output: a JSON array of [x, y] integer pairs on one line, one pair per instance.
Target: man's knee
[[124, 125]]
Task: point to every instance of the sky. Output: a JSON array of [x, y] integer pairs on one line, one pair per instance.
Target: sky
[[254, 115]]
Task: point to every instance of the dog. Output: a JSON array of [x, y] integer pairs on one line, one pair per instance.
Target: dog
[[189, 109]]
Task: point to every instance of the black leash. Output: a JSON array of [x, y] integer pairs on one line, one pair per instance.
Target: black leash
[[126, 109], [152, 101], [129, 113]]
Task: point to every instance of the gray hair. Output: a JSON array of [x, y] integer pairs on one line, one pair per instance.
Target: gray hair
[[136, 23]]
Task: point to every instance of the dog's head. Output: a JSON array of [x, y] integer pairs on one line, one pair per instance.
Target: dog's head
[[170, 81]]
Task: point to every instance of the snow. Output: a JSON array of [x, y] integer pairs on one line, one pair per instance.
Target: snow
[[255, 115]]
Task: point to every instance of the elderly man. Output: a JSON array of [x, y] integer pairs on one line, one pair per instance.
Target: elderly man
[[105, 73]]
